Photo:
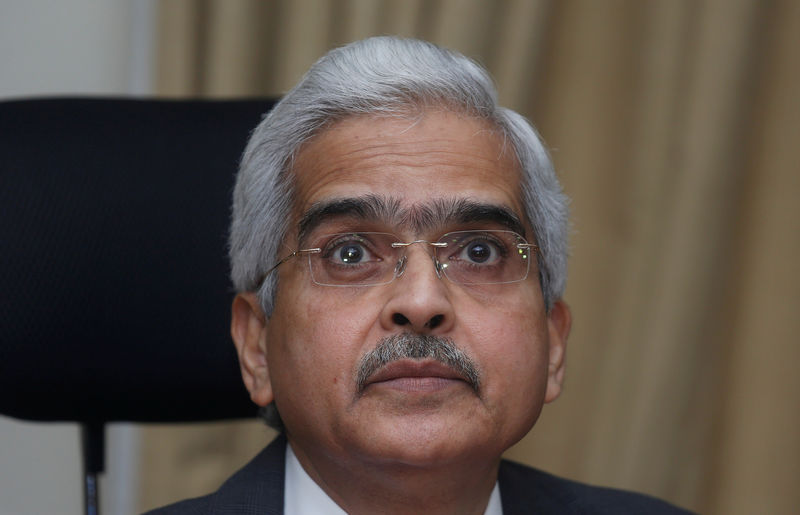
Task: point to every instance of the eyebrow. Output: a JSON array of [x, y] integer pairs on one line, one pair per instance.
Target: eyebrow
[[387, 210]]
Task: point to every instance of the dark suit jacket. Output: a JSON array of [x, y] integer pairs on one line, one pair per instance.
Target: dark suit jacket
[[257, 489]]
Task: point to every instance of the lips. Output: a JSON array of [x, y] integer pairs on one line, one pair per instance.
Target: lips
[[415, 370]]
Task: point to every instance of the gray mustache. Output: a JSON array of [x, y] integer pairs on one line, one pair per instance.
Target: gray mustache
[[417, 346]]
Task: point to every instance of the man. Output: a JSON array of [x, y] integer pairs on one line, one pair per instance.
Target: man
[[399, 248]]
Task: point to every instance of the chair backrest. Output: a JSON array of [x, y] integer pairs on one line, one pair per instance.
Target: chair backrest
[[114, 290]]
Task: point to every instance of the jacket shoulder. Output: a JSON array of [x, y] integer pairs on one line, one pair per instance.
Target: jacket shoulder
[[256, 489], [523, 489], [196, 506]]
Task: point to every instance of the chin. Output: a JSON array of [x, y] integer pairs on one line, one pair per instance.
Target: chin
[[421, 442]]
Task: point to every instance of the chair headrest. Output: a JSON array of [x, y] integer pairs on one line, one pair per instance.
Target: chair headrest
[[114, 290]]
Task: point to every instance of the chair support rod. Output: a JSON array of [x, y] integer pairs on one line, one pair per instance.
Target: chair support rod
[[93, 446]]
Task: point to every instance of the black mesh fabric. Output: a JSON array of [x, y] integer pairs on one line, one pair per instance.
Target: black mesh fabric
[[114, 290]]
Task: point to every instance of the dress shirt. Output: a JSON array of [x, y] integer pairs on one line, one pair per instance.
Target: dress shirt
[[302, 496]]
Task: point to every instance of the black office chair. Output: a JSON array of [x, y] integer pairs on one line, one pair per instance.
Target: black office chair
[[114, 291]]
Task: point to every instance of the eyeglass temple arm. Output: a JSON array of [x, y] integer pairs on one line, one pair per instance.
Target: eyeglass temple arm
[[284, 260]]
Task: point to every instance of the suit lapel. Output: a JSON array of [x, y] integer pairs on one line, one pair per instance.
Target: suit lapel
[[523, 492], [256, 489]]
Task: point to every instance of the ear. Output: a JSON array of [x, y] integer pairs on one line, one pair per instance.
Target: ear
[[249, 329], [559, 321]]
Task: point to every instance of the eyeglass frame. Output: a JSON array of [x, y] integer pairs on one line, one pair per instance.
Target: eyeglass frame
[[400, 265]]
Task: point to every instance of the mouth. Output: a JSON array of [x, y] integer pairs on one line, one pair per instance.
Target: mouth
[[413, 375]]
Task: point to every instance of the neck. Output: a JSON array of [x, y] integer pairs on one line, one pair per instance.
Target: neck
[[366, 487]]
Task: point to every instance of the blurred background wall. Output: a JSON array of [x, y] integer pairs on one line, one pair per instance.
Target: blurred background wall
[[674, 126]]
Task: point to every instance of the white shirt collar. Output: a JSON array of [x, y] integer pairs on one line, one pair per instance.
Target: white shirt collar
[[302, 496]]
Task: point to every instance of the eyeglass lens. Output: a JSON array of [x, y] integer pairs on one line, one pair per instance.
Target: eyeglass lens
[[469, 257]]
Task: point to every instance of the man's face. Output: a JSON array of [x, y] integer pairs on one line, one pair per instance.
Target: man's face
[[416, 413]]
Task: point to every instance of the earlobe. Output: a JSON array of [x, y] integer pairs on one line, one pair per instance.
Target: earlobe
[[248, 329], [559, 322]]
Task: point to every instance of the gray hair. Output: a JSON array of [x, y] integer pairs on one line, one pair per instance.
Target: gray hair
[[390, 76]]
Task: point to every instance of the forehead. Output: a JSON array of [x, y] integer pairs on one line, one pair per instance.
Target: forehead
[[438, 157]]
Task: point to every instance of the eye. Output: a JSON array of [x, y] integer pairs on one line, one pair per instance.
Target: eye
[[478, 252], [479, 249], [350, 253], [349, 249]]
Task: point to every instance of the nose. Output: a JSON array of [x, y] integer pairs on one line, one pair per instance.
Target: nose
[[419, 300]]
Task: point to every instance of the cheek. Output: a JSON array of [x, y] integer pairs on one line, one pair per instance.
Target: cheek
[[512, 346], [319, 340], [342, 318], [513, 351]]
